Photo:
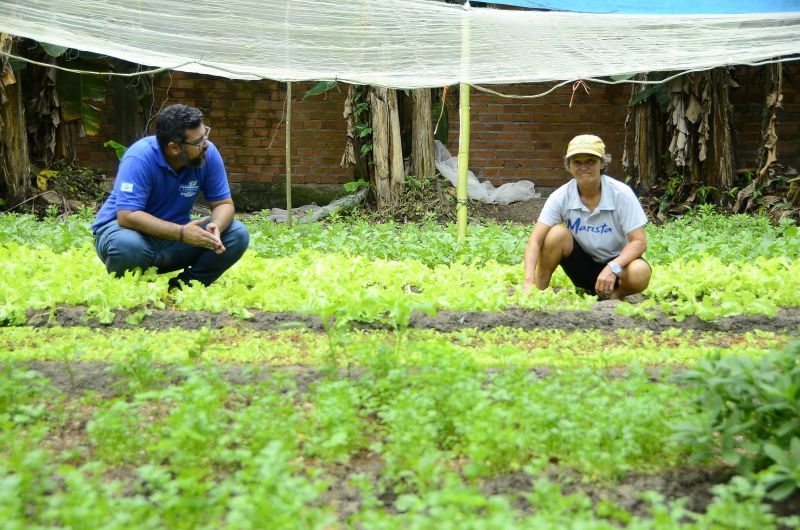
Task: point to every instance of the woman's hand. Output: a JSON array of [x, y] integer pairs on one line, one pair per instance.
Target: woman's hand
[[606, 282]]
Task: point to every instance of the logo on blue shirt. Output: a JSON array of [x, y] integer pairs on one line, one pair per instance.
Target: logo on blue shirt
[[189, 189], [576, 227]]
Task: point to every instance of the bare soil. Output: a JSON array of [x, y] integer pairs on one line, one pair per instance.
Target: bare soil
[[523, 212], [601, 316]]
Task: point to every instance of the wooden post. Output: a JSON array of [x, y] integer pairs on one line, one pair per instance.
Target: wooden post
[[289, 153]]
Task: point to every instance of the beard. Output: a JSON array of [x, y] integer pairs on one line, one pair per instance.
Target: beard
[[197, 161]]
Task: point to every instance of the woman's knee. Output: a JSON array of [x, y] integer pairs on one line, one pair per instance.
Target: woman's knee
[[637, 276], [559, 238]]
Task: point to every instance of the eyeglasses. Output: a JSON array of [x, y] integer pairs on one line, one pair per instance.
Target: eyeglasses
[[202, 140]]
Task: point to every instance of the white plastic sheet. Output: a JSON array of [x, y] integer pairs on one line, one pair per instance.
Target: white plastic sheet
[[447, 165], [397, 43]]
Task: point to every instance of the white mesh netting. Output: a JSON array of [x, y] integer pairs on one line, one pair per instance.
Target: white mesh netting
[[397, 43]]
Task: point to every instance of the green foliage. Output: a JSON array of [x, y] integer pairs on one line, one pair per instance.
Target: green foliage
[[320, 87], [751, 415], [421, 424], [21, 395], [199, 451], [740, 505], [730, 239], [118, 148], [362, 124], [140, 359], [81, 97], [53, 50], [782, 478], [354, 186], [707, 265]]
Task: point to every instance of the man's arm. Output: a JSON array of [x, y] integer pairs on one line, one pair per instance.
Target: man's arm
[[221, 216], [222, 213], [191, 233], [148, 224]]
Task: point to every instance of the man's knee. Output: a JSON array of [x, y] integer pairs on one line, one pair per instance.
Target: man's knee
[[236, 238], [125, 250]]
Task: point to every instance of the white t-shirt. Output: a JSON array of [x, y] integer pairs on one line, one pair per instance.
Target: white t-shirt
[[603, 232]]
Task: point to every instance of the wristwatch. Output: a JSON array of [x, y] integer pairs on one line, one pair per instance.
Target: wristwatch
[[615, 268]]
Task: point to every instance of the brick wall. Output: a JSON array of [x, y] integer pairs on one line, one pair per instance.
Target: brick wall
[[525, 139], [246, 118], [748, 101], [511, 139]]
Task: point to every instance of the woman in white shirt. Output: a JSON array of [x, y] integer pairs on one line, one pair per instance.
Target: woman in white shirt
[[593, 226]]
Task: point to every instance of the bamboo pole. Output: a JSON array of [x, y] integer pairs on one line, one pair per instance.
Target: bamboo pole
[[463, 133], [463, 162], [289, 153]]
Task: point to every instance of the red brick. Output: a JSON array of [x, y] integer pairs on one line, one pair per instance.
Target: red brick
[[511, 138]]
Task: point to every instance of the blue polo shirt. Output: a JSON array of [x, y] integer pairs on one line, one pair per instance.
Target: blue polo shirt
[[146, 182]]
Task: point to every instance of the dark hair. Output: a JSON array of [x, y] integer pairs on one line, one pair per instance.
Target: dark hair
[[172, 123]]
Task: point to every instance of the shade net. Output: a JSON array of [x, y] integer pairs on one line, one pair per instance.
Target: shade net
[[401, 44]]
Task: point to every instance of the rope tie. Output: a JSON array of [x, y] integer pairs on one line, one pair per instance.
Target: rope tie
[[579, 83]]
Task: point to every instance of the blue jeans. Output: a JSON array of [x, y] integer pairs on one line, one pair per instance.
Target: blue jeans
[[122, 249]]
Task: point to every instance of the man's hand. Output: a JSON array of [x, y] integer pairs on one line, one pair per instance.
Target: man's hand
[[214, 230], [605, 283], [194, 234]]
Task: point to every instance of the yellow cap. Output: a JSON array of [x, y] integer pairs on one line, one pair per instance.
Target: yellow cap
[[587, 144]]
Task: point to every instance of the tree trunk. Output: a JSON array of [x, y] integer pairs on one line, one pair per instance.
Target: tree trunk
[[721, 166], [644, 118], [14, 164], [353, 155], [701, 129], [422, 161], [387, 150], [774, 102]]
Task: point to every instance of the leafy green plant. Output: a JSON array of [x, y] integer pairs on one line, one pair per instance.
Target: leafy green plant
[[320, 87], [118, 148], [351, 187], [783, 477], [21, 395], [740, 505], [750, 415], [80, 95]]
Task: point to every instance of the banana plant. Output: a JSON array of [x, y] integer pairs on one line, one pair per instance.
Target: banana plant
[[81, 96]]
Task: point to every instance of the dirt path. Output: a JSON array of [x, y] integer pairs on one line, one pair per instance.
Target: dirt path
[[601, 316]]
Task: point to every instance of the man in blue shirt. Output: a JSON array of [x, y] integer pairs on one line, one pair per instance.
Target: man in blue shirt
[[145, 222]]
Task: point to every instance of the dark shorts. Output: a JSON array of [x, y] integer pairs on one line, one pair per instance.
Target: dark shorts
[[583, 270]]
